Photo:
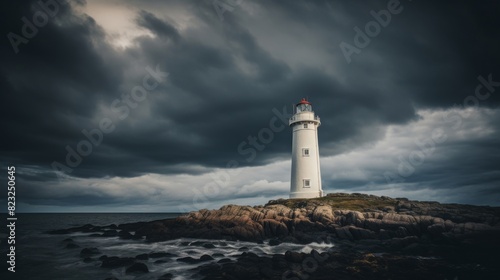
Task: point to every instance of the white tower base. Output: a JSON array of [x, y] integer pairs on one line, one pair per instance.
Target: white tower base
[[306, 194]]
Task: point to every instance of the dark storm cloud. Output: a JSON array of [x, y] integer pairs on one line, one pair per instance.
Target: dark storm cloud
[[222, 88], [149, 21]]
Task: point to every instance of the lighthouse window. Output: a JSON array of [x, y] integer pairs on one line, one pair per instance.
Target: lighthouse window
[[305, 152], [307, 183], [305, 125]]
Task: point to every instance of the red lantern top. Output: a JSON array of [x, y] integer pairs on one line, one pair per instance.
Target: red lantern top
[[304, 101]]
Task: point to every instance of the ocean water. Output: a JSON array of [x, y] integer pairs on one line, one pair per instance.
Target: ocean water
[[44, 256]]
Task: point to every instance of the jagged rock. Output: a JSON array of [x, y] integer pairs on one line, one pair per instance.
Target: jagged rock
[[274, 228]]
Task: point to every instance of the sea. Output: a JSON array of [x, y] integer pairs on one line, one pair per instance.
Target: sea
[[39, 255]]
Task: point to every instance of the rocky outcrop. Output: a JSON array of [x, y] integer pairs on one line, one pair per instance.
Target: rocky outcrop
[[336, 216], [301, 220]]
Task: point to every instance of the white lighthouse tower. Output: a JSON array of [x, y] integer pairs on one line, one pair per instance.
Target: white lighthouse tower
[[306, 176]]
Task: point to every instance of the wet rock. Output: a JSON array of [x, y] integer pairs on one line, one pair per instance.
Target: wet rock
[[167, 276], [436, 229], [279, 262], [156, 255], [243, 249], [248, 266], [206, 258], [162, 261], [197, 243], [274, 242], [72, 246], [137, 268], [344, 233], [89, 251], [400, 243], [208, 245], [110, 233], [115, 262], [142, 257], [294, 257], [224, 260], [87, 259], [125, 235], [361, 233], [188, 260], [217, 255]]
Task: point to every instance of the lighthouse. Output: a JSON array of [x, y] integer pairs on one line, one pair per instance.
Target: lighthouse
[[306, 176]]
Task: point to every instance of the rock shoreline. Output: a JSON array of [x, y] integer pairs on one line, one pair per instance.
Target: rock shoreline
[[375, 237], [305, 221]]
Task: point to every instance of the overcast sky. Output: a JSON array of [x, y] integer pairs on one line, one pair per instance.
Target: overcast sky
[[180, 105]]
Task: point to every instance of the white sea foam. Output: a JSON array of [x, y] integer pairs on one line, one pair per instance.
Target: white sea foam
[[184, 247]]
